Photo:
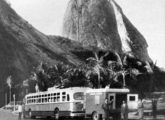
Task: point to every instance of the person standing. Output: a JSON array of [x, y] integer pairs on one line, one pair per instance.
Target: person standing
[[105, 107], [154, 107], [110, 103], [20, 111], [140, 109], [124, 111]]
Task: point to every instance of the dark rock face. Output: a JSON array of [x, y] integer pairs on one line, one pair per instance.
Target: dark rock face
[[22, 47], [101, 23]]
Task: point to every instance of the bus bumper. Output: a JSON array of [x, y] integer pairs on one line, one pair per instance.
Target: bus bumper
[[77, 114]]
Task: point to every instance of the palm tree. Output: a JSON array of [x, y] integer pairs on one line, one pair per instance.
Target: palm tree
[[75, 76], [96, 66], [121, 71]]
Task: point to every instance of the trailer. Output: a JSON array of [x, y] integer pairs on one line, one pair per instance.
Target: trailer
[[95, 98]]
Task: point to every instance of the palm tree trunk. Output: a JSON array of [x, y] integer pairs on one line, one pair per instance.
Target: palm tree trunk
[[98, 80], [124, 83]]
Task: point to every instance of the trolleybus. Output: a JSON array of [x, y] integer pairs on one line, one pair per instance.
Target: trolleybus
[[68, 102]]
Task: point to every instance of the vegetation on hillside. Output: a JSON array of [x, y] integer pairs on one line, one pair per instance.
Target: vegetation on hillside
[[98, 71]]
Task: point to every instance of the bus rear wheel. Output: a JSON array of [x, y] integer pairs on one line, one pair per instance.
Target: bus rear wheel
[[95, 116], [56, 114]]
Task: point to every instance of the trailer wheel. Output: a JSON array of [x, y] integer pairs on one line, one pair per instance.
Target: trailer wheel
[[95, 116], [56, 114]]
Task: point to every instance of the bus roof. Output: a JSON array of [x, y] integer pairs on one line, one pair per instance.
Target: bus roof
[[70, 88], [53, 89], [113, 90]]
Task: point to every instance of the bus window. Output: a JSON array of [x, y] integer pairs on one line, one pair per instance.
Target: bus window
[[68, 98], [78, 96], [58, 97], [54, 100], [51, 95], [63, 98], [36, 99], [45, 100], [32, 99], [49, 99], [39, 99]]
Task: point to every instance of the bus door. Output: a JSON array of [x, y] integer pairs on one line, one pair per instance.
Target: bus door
[[111, 100], [132, 100]]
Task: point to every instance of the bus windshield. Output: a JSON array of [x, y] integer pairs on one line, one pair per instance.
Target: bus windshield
[[78, 96]]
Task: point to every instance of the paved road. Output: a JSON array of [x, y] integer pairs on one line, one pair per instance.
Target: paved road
[[7, 115]]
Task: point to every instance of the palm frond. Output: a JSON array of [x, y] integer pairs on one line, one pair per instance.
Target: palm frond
[[91, 59], [96, 56], [118, 59]]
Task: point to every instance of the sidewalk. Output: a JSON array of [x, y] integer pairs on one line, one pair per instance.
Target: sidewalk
[[133, 116]]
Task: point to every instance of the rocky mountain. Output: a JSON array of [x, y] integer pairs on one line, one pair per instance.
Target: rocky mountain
[[102, 23], [22, 47], [90, 24]]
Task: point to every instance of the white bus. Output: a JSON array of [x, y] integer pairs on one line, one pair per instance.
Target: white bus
[[68, 102]]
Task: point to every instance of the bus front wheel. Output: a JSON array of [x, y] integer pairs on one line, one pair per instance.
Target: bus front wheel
[[95, 116]]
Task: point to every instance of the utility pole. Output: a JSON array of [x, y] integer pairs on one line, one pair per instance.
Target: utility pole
[[14, 101], [10, 95], [9, 83], [5, 98]]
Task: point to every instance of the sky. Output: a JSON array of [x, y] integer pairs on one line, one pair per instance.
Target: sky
[[148, 16]]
